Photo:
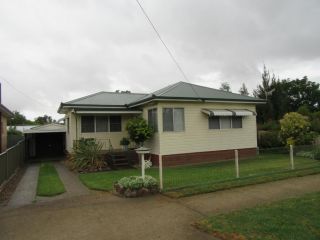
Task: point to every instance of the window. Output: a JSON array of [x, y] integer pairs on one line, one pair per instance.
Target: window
[[225, 122], [214, 123], [101, 124], [236, 122], [173, 119], [115, 123], [87, 124], [153, 119], [91, 124]]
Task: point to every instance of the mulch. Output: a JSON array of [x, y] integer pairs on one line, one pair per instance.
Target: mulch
[[8, 189]]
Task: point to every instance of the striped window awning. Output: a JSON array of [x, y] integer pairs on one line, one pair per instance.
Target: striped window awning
[[228, 112]]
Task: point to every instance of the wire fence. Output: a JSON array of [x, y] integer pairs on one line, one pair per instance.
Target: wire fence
[[265, 162], [11, 160]]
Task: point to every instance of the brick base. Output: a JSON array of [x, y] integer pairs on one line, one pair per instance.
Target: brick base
[[201, 157]]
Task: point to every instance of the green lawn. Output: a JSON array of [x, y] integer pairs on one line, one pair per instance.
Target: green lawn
[[208, 177], [293, 219], [49, 183]]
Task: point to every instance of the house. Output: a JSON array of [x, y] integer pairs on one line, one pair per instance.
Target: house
[[5, 113], [192, 123]]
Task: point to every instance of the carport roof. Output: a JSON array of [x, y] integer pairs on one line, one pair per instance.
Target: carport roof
[[48, 128]]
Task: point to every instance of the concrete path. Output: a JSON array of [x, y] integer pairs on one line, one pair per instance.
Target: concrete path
[[71, 183], [104, 216], [26, 190]]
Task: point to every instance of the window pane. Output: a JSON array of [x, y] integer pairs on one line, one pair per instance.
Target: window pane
[[178, 124], [87, 124], [236, 122], [167, 119], [152, 119], [225, 122], [214, 123], [115, 123], [101, 124]]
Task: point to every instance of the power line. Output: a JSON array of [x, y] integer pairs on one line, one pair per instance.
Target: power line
[[166, 47], [19, 91]]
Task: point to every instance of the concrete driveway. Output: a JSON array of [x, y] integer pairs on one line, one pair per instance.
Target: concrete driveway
[[104, 216]]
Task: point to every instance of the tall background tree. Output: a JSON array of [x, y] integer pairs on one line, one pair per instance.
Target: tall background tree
[[243, 90], [45, 119], [225, 86], [19, 119]]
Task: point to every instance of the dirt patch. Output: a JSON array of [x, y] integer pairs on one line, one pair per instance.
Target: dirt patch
[[8, 189]]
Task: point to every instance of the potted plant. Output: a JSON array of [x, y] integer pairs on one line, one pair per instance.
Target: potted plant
[[124, 142]]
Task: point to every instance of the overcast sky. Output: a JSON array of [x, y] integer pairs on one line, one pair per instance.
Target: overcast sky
[[53, 51]]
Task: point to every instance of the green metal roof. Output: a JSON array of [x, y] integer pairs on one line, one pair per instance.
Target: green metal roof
[[178, 91], [107, 99], [183, 90]]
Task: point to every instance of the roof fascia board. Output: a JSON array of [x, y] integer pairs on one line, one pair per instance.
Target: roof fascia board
[[109, 112]]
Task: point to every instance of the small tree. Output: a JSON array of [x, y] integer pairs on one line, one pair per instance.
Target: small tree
[[138, 130], [294, 127]]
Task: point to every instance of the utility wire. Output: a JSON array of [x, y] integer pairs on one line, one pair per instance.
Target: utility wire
[[19, 91], [166, 47]]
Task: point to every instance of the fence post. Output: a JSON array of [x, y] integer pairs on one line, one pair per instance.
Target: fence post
[[236, 158], [160, 173], [291, 157]]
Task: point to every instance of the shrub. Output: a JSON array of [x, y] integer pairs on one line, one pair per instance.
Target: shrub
[[135, 186], [316, 153], [293, 128], [269, 126], [124, 142], [269, 139], [86, 156], [138, 130]]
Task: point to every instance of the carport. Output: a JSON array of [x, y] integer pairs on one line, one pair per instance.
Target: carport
[[45, 141]]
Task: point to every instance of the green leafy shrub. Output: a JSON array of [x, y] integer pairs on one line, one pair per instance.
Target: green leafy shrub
[[269, 139], [138, 130], [316, 153], [150, 182], [294, 127], [124, 141], [135, 186], [86, 156], [269, 126]]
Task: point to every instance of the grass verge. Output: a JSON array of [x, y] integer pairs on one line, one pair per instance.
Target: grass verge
[[49, 182], [296, 218], [217, 186]]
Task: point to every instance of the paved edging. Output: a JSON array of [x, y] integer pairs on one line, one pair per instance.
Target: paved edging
[[71, 183], [25, 192]]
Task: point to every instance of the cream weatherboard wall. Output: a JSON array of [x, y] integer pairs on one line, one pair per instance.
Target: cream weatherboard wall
[[103, 137], [197, 137], [154, 142]]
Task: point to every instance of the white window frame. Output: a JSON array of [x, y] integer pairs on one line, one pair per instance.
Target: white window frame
[[231, 127], [184, 121], [95, 124]]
